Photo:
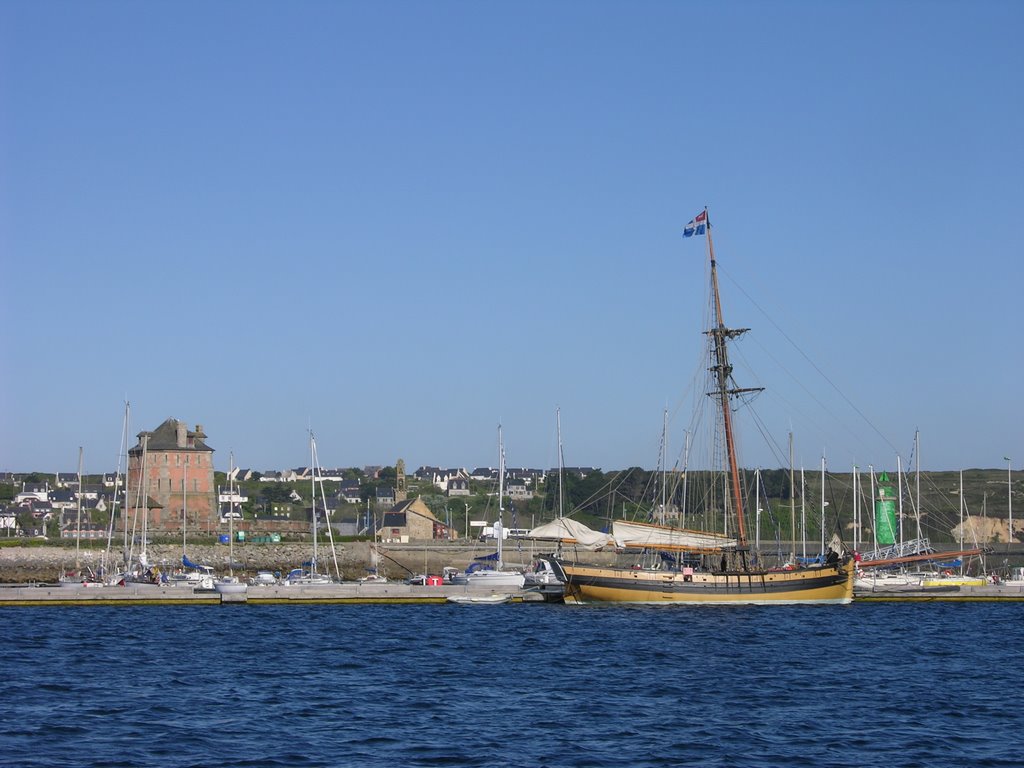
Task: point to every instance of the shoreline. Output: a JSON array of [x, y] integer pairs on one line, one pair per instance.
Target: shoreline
[[44, 564]]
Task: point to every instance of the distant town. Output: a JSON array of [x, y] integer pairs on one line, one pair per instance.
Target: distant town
[[170, 483], [170, 489]]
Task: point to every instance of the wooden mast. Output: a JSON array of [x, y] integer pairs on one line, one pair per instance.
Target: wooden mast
[[723, 374]]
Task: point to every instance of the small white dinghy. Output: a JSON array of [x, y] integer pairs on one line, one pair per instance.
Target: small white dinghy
[[494, 599]]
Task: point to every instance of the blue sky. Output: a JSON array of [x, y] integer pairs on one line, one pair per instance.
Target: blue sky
[[400, 223]]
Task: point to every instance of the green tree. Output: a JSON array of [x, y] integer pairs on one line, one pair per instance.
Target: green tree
[[279, 493], [26, 521]]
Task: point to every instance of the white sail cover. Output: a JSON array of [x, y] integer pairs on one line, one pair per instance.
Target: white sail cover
[[643, 535], [569, 531]]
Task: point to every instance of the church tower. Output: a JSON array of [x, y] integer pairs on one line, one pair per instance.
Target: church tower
[[400, 494]]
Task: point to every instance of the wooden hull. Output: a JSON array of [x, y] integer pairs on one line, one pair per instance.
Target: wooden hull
[[605, 584]]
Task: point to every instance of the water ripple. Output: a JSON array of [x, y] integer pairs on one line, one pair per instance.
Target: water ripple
[[870, 685]]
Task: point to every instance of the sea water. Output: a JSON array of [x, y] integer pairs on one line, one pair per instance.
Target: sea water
[[512, 685]]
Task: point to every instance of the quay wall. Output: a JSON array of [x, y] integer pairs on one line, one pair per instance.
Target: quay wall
[[21, 564]]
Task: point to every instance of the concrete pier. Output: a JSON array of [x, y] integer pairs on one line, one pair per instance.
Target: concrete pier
[[396, 593], [954, 594], [387, 593]]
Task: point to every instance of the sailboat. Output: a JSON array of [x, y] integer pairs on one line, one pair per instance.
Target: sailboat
[[898, 565], [375, 572], [190, 574], [143, 571], [541, 576], [313, 577], [707, 566], [77, 578], [497, 577], [231, 584], [112, 577]]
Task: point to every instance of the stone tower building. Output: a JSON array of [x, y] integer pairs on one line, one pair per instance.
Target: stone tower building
[[175, 469]]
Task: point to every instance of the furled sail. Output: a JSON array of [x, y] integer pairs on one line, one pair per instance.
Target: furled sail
[[569, 531], [635, 535], [188, 563]]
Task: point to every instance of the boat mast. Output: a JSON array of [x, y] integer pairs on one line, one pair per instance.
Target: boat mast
[[1009, 502], [318, 476], [792, 500], [757, 506], [803, 515], [231, 513], [899, 477], [561, 496], [184, 505], [723, 375], [686, 472], [78, 522], [823, 505], [142, 497], [874, 507], [917, 479], [312, 493], [664, 471], [856, 510], [126, 551], [500, 527], [961, 537], [122, 449]]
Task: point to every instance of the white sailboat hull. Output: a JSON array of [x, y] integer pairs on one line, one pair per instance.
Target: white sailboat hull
[[489, 579], [230, 586], [497, 599]]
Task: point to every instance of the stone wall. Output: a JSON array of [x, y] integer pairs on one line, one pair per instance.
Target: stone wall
[[46, 563]]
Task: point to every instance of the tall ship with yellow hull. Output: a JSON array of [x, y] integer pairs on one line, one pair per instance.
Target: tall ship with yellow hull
[[609, 584], [707, 567]]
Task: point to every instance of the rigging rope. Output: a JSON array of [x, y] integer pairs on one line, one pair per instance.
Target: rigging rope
[[809, 360]]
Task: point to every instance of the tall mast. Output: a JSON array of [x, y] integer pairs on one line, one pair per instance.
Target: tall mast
[[142, 496], [686, 472], [757, 507], [917, 479], [184, 505], [899, 477], [664, 471], [561, 496], [803, 516], [961, 537], [823, 505], [231, 513], [78, 521], [1009, 502], [856, 510], [500, 528], [122, 448], [792, 500], [127, 475], [312, 494], [874, 507], [720, 335]]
